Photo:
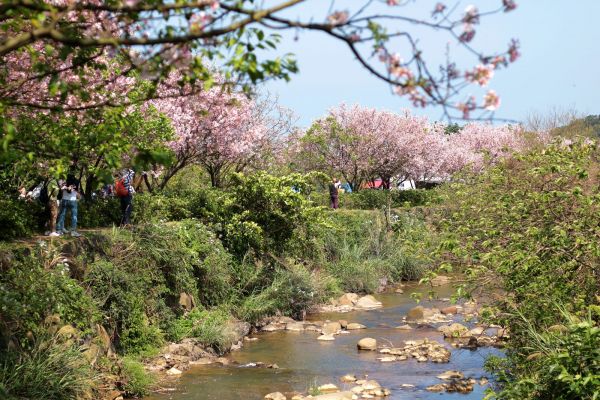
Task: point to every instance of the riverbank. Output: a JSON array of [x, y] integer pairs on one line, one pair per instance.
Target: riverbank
[[115, 298]]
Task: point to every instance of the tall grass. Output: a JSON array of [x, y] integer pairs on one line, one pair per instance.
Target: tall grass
[[50, 370]]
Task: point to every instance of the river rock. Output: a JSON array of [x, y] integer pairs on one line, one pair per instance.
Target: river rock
[[273, 326], [275, 396], [451, 375], [348, 299], [449, 310], [343, 323], [326, 338], [334, 396], [440, 280], [328, 388], [454, 330], [367, 344], [173, 371], [354, 326], [331, 328], [348, 378], [440, 387], [404, 327], [294, 326], [186, 301], [368, 302], [399, 291], [415, 314]]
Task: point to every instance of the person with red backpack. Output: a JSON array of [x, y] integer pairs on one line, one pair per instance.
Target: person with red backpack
[[124, 191]]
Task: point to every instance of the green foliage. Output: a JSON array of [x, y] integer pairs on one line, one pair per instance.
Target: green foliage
[[36, 286], [369, 199], [528, 228], [18, 218], [263, 211], [49, 370], [136, 381], [565, 361], [210, 327]]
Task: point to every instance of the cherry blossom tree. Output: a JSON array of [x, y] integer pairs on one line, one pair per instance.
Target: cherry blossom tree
[[223, 131], [362, 143]]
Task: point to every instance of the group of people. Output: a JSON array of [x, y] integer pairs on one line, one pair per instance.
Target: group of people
[[61, 196]]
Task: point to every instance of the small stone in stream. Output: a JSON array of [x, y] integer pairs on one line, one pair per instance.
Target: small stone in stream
[[348, 378], [367, 344], [451, 375], [328, 388], [449, 310], [297, 397], [326, 338], [422, 359], [415, 314], [273, 366], [250, 339], [368, 302], [331, 328], [222, 361], [173, 371], [454, 330], [354, 326], [275, 396], [483, 381], [404, 327], [388, 359], [407, 386], [343, 323], [440, 280], [440, 387], [399, 291], [371, 385]]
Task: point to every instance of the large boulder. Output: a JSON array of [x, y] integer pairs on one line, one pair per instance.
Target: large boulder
[[368, 302], [331, 328], [186, 301], [348, 299], [367, 344]]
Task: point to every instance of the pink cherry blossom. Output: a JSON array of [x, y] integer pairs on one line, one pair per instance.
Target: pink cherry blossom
[[338, 17], [491, 101], [509, 5], [481, 74]]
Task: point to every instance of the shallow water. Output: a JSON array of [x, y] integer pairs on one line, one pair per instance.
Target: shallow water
[[306, 362]]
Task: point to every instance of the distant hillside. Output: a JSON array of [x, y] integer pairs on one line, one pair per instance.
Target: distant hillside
[[588, 126]]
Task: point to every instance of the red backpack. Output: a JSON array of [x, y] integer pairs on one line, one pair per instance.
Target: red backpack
[[120, 188]]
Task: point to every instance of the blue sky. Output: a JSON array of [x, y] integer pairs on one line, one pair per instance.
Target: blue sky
[[559, 67]]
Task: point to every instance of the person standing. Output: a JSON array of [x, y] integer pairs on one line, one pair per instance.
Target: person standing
[[70, 192], [333, 193], [125, 191]]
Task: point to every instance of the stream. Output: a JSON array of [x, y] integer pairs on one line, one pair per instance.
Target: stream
[[306, 362]]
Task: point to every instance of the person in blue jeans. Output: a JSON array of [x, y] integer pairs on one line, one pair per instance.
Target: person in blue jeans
[[68, 203]]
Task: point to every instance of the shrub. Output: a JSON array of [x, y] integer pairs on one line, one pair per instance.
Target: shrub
[[19, 218], [136, 381], [210, 327]]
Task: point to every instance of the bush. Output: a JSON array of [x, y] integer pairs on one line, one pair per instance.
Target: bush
[[528, 228], [565, 358], [49, 370], [19, 218], [136, 381], [210, 327], [370, 199]]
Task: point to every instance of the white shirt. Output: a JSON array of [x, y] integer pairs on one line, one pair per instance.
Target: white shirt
[[69, 196]]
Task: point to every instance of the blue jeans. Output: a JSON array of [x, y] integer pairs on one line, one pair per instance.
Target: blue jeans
[[64, 206]]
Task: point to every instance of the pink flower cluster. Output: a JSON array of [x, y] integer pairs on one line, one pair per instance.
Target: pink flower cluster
[[361, 143]]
